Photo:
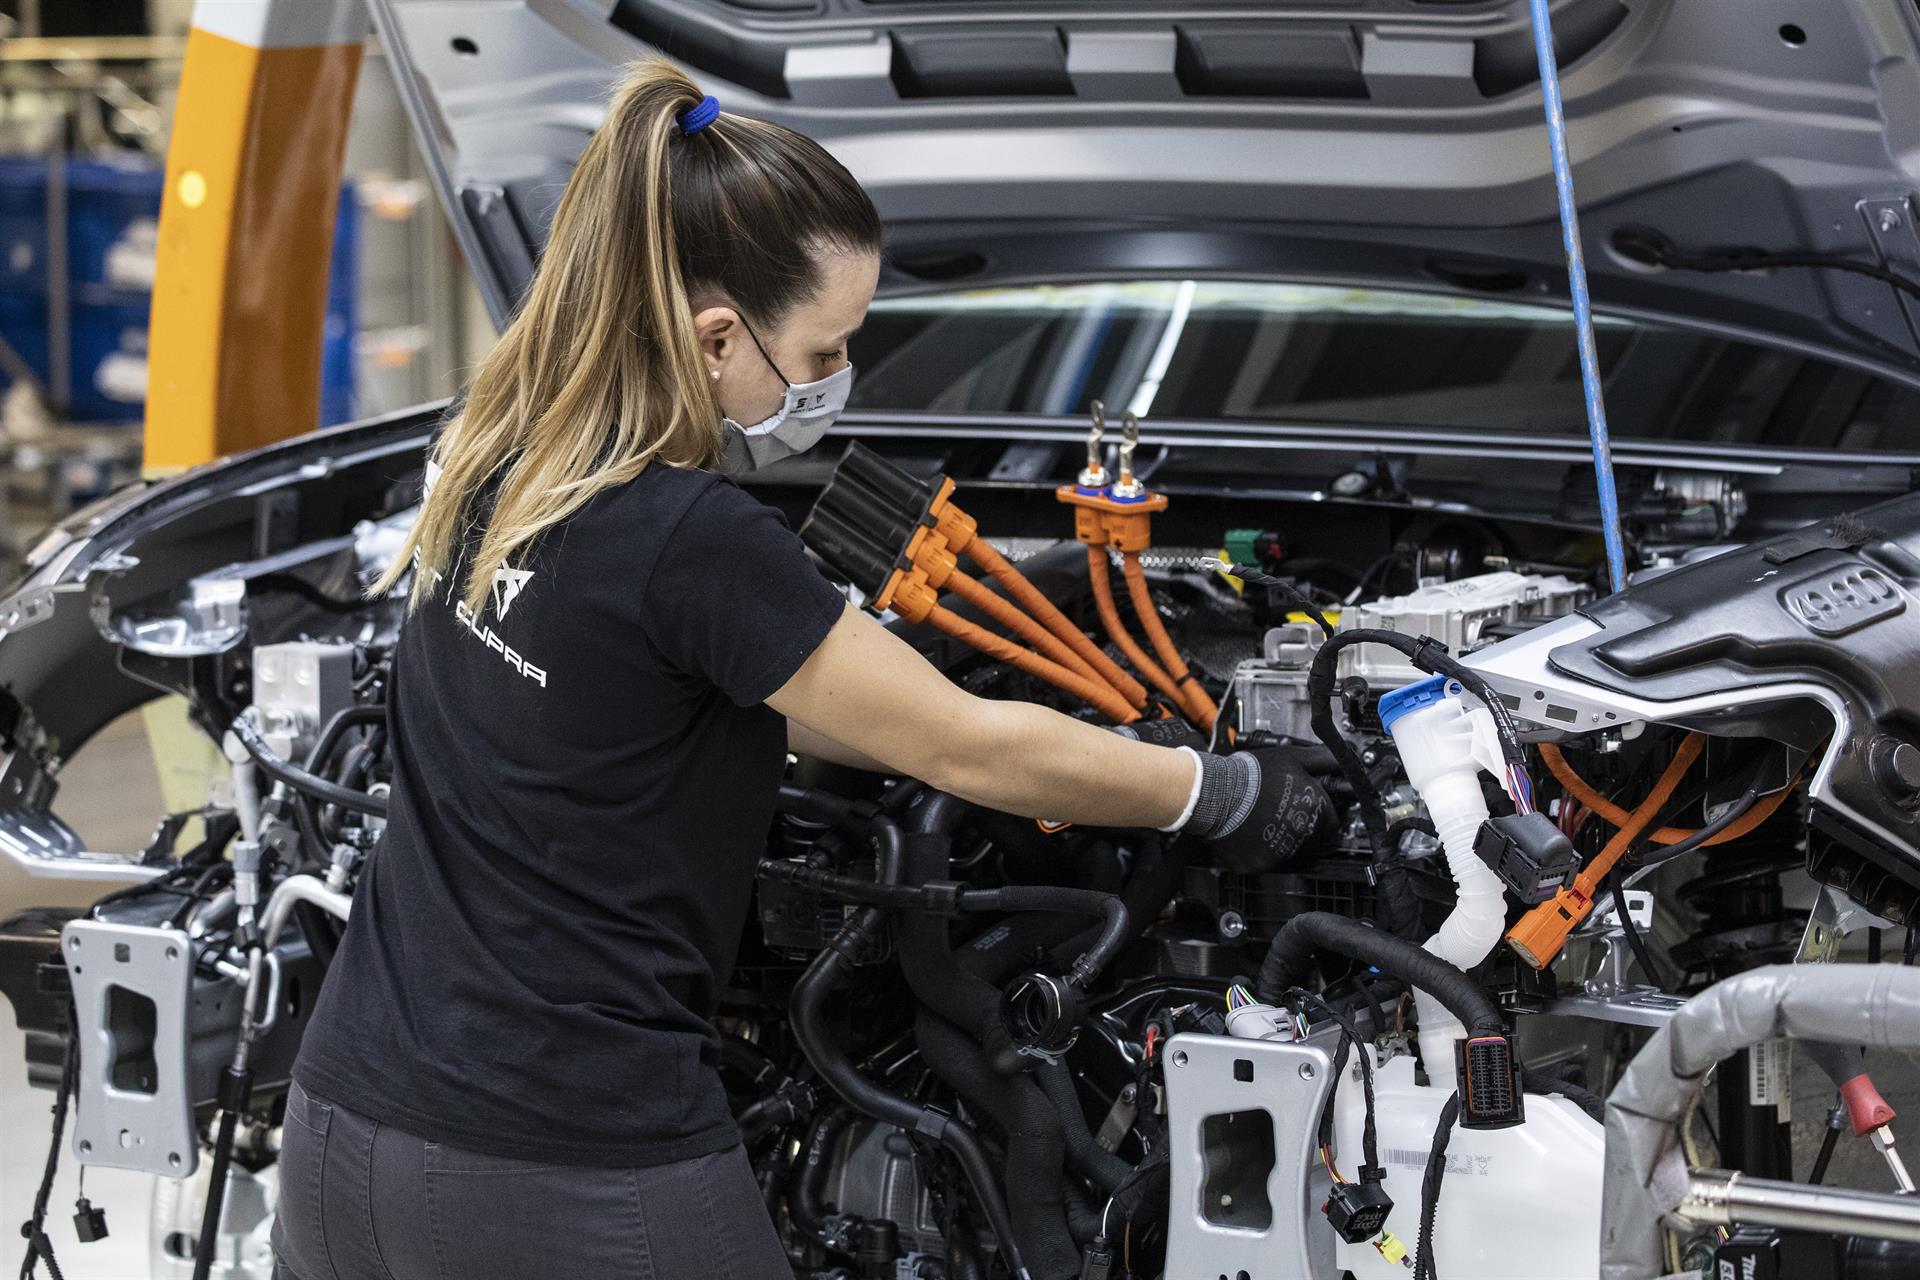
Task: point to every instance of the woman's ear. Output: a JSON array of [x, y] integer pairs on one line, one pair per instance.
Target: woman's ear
[[717, 329]]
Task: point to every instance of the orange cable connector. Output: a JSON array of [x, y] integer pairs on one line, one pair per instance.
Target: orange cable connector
[[1542, 932]]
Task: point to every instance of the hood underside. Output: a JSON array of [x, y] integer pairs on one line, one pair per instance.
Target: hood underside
[[1395, 142]]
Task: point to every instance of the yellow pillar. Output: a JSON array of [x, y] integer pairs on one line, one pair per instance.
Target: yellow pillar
[[246, 226]]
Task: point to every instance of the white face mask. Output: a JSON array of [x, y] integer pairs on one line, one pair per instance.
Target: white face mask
[[805, 413]]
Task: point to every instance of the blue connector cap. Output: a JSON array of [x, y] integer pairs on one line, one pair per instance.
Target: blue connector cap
[[1411, 697]]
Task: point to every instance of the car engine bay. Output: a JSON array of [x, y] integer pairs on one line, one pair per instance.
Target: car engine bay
[[962, 1044]]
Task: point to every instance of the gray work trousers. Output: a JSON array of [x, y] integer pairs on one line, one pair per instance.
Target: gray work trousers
[[361, 1200]]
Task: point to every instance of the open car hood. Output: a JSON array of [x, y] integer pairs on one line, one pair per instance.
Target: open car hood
[[1382, 142]]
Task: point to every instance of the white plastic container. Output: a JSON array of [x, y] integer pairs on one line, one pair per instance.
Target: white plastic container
[[1516, 1204], [1443, 745]]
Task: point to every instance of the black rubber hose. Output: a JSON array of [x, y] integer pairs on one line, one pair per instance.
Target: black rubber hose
[[937, 980], [371, 713], [1303, 938], [1036, 1147], [810, 1175], [313, 829], [766, 1115], [816, 805], [1088, 1158], [949, 897], [806, 1014], [745, 1058], [299, 779]]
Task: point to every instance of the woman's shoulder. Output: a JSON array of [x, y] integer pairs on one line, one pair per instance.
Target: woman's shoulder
[[664, 497]]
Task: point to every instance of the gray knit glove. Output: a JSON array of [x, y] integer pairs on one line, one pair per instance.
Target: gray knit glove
[[1258, 809]]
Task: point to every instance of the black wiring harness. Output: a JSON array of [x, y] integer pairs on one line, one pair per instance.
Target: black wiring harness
[[1644, 245]]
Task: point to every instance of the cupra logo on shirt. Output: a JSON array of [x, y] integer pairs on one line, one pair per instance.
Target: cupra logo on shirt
[[506, 588]]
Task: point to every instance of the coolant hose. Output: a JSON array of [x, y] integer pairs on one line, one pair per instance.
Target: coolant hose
[[806, 1012], [1301, 939], [1100, 697], [926, 957], [1117, 632], [1154, 880], [810, 1175], [275, 766], [1192, 697], [1036, 1147], [1030, 597]]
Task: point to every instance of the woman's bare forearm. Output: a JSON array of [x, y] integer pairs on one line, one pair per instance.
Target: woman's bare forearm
[[1037, 763]]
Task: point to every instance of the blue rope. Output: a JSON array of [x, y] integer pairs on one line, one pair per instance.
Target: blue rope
[[1582, 307]]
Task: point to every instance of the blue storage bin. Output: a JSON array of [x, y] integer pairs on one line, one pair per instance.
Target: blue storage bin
[[23, 226], [109, 308], [337, 363], [112, 205], [109, 361], [23, 323]]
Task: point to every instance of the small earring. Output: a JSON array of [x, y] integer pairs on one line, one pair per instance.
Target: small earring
[[716, 375]]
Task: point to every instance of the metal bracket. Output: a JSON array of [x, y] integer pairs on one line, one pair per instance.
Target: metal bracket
[[1243, 1125], [1635, 1007], [1833, 917], [1890, 224], [132, 993]]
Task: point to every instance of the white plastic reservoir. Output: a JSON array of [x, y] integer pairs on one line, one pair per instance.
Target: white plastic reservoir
[[1516, 1204]]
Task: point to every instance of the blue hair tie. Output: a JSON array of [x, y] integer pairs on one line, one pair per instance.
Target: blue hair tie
[[699, 116]]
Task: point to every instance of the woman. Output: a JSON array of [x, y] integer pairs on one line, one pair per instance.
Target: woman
[[611, 648]]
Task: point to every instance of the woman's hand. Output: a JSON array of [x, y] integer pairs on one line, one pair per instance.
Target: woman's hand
[[869, 694]]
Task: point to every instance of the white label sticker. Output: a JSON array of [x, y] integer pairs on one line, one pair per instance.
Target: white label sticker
[[1770, 1076]]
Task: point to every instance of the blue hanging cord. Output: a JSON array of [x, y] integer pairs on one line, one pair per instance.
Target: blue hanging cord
[[1582, 307]]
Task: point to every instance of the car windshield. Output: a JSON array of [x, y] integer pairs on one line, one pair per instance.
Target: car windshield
[[1187, 350]]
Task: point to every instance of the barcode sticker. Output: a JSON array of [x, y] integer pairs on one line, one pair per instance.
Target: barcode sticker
[[1457, 1164], [1770, 1076]]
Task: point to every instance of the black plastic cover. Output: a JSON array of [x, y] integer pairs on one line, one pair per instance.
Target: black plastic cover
[[1832, 604], [865, 518], [1533, 858]]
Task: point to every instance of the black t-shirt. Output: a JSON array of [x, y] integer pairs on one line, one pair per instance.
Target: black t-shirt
[[584, 775]]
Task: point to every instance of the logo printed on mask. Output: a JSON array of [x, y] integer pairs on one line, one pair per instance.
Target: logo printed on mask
[[506, 588]]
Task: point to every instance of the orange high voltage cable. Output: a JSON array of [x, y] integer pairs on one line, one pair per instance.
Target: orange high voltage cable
[[983, 553], [1543, 931], [1602, 808], [910, 595], [1024, 628], [1194, 698], [1116, 627], [1099, 696]]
